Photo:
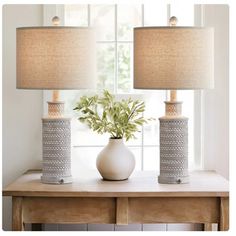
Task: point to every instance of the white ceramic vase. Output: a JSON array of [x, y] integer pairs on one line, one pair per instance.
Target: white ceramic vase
[[115, 161]]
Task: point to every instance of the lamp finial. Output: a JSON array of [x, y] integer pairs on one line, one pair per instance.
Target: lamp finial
[[55, 20], [173, 21]]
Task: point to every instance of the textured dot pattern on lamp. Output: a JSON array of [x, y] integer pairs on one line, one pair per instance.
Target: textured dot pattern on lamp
[[56, 109], [56, 150], [173, 150], [173, 108]]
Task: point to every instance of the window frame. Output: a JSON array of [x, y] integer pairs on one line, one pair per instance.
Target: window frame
[[51, 10]]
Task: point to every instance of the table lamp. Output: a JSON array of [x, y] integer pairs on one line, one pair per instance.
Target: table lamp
[[55, 58], [173, 58]]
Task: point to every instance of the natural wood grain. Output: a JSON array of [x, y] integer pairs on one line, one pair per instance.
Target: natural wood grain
[[122, 210], [208, 227], [17, 214], [174, 210], [90, 184], [224, 214], [69, 210], [89, 199]]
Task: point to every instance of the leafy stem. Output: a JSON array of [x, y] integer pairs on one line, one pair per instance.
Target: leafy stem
[[121, 119]]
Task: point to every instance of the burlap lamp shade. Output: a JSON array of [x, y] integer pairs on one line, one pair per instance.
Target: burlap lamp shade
[[55, 58], [173, 58]]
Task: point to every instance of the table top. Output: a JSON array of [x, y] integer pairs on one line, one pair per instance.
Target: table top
[[140, 184]]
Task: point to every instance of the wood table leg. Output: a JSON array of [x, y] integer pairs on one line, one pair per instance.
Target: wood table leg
[[17, 216], [207, 227], [224, 214], [122, 210]]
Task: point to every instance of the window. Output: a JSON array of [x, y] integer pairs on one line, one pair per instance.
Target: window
[[114, 24]]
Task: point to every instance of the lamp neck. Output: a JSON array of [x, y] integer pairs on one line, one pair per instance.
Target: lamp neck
[[173, 95], [56, 107], [55, 95], [173, 107]]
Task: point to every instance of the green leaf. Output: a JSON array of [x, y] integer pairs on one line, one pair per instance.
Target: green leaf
[[118, 118]]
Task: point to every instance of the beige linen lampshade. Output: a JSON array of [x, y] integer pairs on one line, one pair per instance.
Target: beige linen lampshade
[[55, 58], [173, 58]]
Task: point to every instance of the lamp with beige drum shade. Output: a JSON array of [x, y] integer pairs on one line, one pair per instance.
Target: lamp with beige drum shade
[[173, 58], [56, 58]]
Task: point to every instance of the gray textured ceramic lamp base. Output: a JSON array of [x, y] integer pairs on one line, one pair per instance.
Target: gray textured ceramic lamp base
[[173, 150], [56, 151]]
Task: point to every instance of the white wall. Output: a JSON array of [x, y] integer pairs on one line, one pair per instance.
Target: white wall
[[216, 138], [22, 109]]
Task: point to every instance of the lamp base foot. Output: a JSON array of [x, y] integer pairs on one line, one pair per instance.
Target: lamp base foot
[[56, 180], [173, 180]]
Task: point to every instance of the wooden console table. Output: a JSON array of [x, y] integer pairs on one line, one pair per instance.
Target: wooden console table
[[89, 199]]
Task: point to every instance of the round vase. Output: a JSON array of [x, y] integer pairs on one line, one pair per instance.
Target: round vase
[[115, 161]]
